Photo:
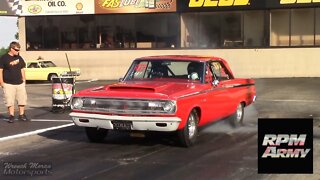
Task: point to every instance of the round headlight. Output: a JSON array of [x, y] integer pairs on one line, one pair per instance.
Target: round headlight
[[169, 107], [77, 103]]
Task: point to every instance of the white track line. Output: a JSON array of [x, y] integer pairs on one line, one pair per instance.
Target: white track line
[[50, 120], [289, 100], [34, 132]]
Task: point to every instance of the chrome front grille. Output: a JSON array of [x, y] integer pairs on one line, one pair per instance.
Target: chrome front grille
[[122, 106]]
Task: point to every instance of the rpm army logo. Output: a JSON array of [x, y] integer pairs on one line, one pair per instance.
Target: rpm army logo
[[285, 146], [273, 141]]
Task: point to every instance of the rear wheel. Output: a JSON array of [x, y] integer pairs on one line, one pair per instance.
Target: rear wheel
[[51, 76], [188, 135], [236, 119], [96, 134]]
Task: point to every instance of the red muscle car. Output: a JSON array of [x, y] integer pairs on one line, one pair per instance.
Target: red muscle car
[[165, 93]]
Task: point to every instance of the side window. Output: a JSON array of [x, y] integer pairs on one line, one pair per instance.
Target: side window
[[33, 65], [219, 71], [43, 65], [208, 76]]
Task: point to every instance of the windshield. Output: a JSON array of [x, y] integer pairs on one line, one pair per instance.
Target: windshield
[[45, 64], [164, 69]]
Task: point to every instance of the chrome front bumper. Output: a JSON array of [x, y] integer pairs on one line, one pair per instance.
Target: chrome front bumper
[[140, 123]]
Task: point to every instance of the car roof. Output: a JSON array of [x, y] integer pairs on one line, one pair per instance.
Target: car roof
[[188, 58], [182, 58]]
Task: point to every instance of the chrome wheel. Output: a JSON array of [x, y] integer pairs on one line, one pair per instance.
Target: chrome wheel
[[236, 119], [192, 126], [188, 135], [239, 113]]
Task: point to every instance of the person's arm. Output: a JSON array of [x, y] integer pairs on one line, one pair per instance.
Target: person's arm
[[1, 77], [23, 73]]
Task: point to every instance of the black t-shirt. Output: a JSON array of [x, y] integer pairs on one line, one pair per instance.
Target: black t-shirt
[[12, 66]]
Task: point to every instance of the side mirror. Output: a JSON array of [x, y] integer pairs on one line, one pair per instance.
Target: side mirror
[[215, 82]]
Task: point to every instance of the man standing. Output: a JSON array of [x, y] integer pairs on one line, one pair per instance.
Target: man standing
[[12, 80]]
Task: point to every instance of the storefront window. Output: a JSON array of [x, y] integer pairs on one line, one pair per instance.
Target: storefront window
[[69, 29], [157, 30], [231, 30], [190, 30], [103, 31], [279, 35], [295, 27], [116, 31], [34, 33], [212, 30], [87, 32], [254, 29], [223, 30], [317, 27], [51, 33], [302, 27]]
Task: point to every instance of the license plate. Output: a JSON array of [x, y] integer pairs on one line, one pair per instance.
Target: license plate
[[121, 125]]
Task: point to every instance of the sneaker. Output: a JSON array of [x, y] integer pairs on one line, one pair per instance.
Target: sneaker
[[11, 119], [23, 118]]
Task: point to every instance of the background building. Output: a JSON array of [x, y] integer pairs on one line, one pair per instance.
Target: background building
[[260, 38]]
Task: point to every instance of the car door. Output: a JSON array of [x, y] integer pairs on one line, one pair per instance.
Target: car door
[[225, 81], [33, 71], [219, 99]]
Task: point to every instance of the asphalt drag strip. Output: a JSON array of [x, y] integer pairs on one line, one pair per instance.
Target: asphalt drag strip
[[35, 126]]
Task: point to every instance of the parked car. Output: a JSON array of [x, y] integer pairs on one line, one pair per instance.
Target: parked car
[[46, 70], [165, 93]]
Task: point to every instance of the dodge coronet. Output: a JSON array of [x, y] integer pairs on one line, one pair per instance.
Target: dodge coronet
[[173, 93]]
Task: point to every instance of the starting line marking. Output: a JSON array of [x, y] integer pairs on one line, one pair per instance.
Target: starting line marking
[[289, 100], [34, 132], [50, 120]]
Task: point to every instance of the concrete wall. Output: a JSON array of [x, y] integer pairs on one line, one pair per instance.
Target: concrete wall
[[253, 63]]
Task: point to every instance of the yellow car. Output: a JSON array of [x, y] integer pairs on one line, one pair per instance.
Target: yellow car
[[46, 70]]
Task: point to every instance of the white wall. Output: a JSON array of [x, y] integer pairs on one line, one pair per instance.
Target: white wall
[[255, 63]]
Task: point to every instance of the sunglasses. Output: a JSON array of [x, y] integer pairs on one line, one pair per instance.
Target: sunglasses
[[16, 49]]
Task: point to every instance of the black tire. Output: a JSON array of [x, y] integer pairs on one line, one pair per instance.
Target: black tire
[[188, 135], [95, 134], [236, 119], [50, 76]]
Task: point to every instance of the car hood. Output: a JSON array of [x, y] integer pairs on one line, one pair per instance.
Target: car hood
[[144, 89], [65, 68]]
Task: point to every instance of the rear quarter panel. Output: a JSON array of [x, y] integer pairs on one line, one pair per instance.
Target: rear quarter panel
[[241, 90], [213, 105]]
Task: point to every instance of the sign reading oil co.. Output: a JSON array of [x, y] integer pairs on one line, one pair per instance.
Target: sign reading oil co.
[[56, 3]]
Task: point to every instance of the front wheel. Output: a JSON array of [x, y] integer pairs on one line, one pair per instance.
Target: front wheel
[[96, 134], [188, 135], [51, 76], [236, 119]]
